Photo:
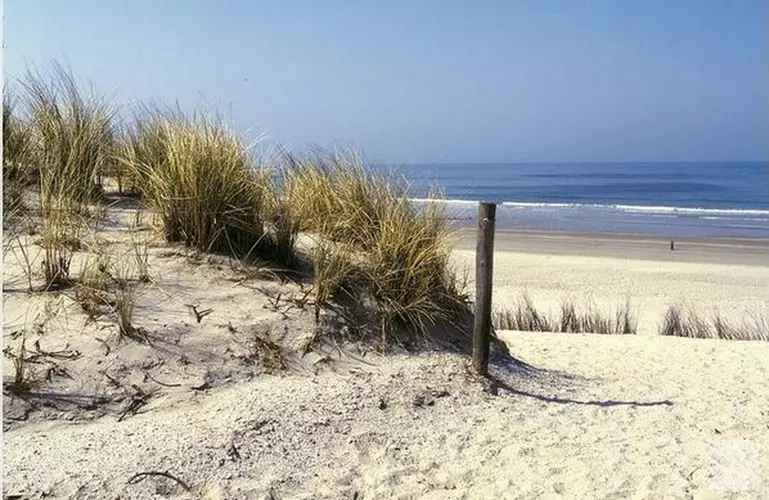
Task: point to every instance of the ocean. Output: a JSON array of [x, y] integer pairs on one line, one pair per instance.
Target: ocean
[[661, 199]]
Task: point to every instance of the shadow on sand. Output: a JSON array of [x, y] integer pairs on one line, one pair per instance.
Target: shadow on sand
[[516, 370]]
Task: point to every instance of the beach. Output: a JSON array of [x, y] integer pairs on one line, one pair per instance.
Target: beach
[[597, 417], [728, 276], [571, 416], [254, 277]]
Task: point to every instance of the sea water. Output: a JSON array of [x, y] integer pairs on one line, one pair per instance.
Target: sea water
[[717, 199]]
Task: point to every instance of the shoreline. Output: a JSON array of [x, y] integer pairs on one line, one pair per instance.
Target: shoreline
[[648, 221], [722, 250], [707, 276]]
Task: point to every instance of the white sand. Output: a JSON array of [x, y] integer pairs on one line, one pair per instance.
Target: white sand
[[600, 417], [706, 277], [593, 416]]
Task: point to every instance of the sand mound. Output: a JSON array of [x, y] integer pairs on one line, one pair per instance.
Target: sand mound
[[233, 404], [595, 417]]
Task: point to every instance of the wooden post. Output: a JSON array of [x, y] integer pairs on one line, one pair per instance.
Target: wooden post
[[484, 266]]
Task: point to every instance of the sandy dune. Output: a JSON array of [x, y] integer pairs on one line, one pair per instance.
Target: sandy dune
[[582, 416], [596, 417]]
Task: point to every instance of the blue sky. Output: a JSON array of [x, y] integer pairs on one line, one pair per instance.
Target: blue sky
[[433, 81]]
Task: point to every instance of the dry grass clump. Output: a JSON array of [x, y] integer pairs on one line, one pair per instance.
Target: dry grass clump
[[24, 379], [406, 268], [16, 151], [524, 316], [339, 197], [685, 322], [68, 139], [332, 268], [92, 285], [398, 253], [72, 138], [199, 177], [124, 292], [60, 235]]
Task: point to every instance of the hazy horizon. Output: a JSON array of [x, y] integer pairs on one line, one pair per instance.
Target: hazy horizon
[[434, 82]]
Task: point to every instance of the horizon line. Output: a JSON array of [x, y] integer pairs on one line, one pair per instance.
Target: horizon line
[[568, 162]]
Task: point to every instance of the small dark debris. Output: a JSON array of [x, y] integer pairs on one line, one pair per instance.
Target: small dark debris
[[138, 399], [232, 452], [205, 385]]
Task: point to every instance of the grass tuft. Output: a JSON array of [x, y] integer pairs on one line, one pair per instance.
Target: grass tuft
[[124, 295], [72, 138], [198, 176], [685, 322], [92, 285], [23, 376], [401, 252], [524, 316], [17, 142]]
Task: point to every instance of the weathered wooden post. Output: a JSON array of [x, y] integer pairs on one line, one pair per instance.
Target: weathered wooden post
[[484, 266]]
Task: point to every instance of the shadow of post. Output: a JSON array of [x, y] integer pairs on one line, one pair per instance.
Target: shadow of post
[[495, 384]]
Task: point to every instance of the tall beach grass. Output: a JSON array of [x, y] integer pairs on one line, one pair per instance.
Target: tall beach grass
[[400, 251], [72, 137], [199, 176], [16, 151]]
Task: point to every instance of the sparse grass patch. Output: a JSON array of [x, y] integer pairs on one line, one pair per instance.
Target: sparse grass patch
[[685, 322], [124, 294], [60, 237], [140, 253], [92, 285], [524, 316], [23, 375]]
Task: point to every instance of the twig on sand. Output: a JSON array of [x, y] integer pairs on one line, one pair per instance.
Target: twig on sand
[[140, 476], [138, 400], [159, 382], [106, 345], [112, 380], [60, 354], [690, 475], [199, 315]]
